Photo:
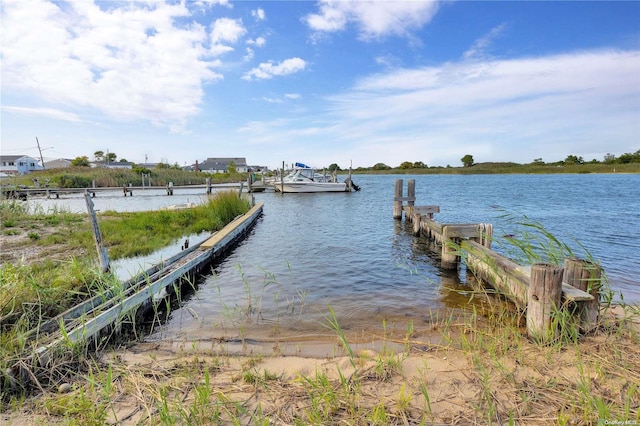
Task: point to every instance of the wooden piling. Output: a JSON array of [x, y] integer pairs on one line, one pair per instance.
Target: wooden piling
[[170, 188], [102, 250], [397, 200], [282, 179], [208, 185], [450, 256], [545, 291], [417, 223], [586, 276], [411, 196]]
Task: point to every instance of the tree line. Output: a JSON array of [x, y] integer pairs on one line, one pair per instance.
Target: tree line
[[468, 161]]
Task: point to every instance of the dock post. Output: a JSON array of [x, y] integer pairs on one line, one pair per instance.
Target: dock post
[[411, 196], [282, 179], [543, 298], [586, 276], [417, 223], [208, 185], [450, 255], [102, 250], [397, 200], [170, 188]]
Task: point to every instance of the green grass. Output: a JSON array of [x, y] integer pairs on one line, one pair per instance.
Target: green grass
[[136, 234], [85, 177], [31, 293]]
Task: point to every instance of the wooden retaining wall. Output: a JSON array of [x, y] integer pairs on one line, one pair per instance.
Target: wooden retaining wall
[[87, 320], [539, 289]]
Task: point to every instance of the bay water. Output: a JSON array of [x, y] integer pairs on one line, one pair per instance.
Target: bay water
[[313, 254]]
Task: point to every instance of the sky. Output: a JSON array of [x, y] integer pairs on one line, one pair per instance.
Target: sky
[[353, 83]]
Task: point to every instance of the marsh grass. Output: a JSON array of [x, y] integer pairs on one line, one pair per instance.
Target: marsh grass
[[84, 177], [33, 292]]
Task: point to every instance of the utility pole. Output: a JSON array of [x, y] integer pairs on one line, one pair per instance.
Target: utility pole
[[41, 159]]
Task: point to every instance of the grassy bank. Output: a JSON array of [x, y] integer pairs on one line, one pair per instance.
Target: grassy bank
[[49, 261], [86, 177], [514, 168]]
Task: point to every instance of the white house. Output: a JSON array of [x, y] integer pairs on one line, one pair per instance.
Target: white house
[[112, 164], [58, 163], [221, 165], [18, 164]]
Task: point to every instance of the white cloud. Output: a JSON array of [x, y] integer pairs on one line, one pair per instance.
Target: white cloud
[[292, 95], [43, 112], [258, 14], [120, 61], [227, 30], [267, 70], [211, 3], [374, 19], [479, 48], [258, 42], [248, 54]]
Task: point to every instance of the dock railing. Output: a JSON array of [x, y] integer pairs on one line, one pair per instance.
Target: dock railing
[[543, 290]]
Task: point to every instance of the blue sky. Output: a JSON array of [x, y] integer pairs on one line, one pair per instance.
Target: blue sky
[[346, 82]]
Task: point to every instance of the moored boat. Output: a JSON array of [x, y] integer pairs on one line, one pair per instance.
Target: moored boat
[[303, 178]]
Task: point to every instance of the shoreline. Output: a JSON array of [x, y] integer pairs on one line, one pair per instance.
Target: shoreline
[[468, 370]]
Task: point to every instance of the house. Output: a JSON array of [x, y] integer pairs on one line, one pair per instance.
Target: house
[[18, 164], [58, 163], [220, 165], [112, 164]]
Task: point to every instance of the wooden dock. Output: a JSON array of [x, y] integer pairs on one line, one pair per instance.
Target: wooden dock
[[91, 320], [20, 193], [541, 289]]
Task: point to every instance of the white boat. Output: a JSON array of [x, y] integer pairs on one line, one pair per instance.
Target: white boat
[[305, 179]]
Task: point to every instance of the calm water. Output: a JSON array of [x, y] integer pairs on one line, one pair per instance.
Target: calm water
[[310, 252]]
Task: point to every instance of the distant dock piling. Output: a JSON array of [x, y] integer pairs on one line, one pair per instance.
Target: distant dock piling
[[540, 289]]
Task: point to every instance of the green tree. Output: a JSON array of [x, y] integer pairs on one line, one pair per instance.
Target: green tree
[[110, 157], [406, 165], [467, 160], [80, 161], [98, 155], [419, 165], [381, 166], [573, 159], [334, 168], [629, 158], [231, 168]]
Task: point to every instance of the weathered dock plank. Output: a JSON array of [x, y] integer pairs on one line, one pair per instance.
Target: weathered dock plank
[[96, 318]]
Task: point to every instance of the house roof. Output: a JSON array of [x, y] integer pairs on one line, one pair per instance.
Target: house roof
[[221, 163], [14, 157]]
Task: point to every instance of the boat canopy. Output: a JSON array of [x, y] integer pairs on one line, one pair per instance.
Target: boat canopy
[[302, 166]]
